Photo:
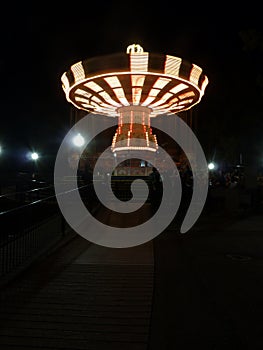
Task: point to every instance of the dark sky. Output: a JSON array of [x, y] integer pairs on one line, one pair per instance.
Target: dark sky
[[40, 42]]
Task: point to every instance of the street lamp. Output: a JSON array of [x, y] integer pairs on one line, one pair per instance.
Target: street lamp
[[78, 140], [34, 156], [211, 166]]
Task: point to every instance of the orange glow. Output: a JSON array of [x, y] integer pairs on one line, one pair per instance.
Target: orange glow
[[178, 88], [113, 82], [172, 65], [161, 83], [65, 82], [134, 48], [136, 95], [83, 93], [204, 85], [185, 101], [134, 88], [93, 86], [133, 133], [163, 100], [187, 94], [137, 80], [121, 96], [108, 99], [152, 100], [132, 121], [139, 62], [78, 71], [80, 99], [195, 74]]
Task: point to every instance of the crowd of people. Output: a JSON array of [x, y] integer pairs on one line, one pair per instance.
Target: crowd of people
[[232, 178], [227, 179]]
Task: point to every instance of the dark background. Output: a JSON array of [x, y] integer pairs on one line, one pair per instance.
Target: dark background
[[41, 41]]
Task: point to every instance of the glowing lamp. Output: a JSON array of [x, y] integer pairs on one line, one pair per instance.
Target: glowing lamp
[[34, 156], [78, 140], [211, 166]]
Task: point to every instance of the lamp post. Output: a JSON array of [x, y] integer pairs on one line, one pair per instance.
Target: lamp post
[[34, 157], [211, 166], [78, 140]]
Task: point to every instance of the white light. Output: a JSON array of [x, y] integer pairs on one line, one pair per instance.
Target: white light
[[78, 140], [211, 166], [34, 156], [134, 48]]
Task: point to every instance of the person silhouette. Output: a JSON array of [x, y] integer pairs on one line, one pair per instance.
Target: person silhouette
[[155, 188]]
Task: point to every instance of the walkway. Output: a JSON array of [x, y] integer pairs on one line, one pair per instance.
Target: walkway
[[201, 290], [83, 296], [209, 286]]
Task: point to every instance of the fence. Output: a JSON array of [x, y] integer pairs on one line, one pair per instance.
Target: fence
[[29, 227], [33, 223]]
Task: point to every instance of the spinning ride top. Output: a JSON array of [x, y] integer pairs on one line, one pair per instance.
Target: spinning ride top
[[134, 86]]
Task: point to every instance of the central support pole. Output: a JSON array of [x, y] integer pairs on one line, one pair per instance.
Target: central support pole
[[134, 131]]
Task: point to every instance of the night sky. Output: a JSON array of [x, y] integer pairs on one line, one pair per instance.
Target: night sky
[[40, 42]]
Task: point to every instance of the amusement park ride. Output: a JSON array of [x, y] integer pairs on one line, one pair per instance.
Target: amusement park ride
[[134, 87]]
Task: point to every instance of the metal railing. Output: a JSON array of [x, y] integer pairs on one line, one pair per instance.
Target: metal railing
[[30, 227], [20, 247], [121, 186], [26, 229], [34, 223], [28, 195]]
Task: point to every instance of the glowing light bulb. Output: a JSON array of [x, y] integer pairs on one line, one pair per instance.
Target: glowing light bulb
[[34, 155], [211, 166], [78, 140]]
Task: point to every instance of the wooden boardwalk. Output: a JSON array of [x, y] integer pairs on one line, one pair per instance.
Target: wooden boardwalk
[[200, 290], [83, 296]]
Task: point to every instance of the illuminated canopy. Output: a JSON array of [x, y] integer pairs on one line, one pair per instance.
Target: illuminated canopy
[[134, 86], [164, 83]]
